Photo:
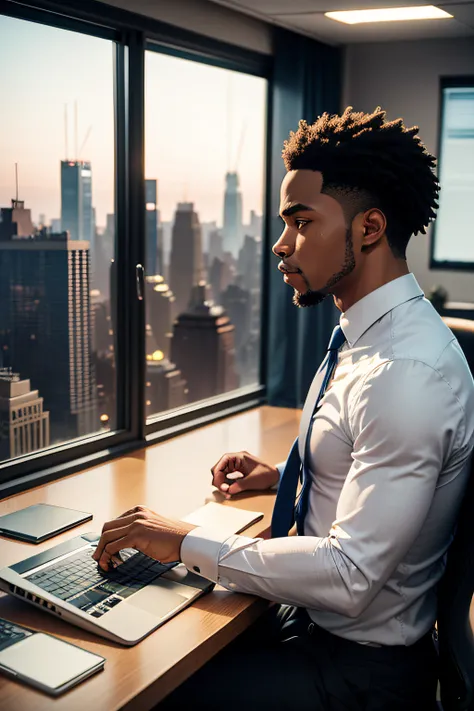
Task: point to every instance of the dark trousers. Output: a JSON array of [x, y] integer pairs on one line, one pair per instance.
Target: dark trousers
[[286, 663]]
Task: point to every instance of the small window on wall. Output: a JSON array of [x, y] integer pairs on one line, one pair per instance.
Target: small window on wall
[[453, 234], [205, 134]]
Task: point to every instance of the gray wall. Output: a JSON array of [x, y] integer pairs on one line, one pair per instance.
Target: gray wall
[[207, 18], [403, 78]]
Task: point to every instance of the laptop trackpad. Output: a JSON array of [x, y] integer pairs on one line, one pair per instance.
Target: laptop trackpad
[[159, 598]]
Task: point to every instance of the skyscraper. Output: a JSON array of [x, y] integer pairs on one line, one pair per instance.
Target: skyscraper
[[24, 426], [15, 221], [232, 230], [151, 227], [45, 326], [76, 200], [159, 309], [203, 348], [186, 255]]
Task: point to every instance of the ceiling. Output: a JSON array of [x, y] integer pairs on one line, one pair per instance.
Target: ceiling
[[307, 17]]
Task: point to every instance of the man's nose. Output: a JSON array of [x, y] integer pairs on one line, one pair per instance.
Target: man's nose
[[283, 248]]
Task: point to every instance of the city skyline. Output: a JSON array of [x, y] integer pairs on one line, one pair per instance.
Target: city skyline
[[188, 151]]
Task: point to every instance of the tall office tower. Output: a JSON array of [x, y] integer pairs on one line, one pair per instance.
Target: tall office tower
[[238, 305], [220, 276], [24, 426], [160, 249], [104, 253], [232, 229], [55, 225], [203, 347], [76, 200], [42, 220], [165, 387], [186, 255], [159, 301], [151, 227], [215, 246], [255, 227], [249, 264], [45, 326], [15, 221]]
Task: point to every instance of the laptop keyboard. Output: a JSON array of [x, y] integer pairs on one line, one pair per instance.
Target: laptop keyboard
[[10, 633], [78, 580]]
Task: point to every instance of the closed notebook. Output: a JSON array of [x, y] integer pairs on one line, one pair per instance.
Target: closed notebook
[[227, 518]]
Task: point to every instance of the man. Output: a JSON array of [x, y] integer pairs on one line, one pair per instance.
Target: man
[[384, 445]]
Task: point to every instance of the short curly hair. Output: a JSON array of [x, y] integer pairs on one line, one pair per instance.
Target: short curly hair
[[377, 164]]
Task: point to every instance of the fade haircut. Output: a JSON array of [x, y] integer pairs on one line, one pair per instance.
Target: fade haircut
[[367, 163]]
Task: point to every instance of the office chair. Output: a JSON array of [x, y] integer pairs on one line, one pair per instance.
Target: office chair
[[455, 625], [456, 589], [463, 329]]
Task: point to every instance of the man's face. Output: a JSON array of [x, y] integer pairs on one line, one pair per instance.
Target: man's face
[[315, 247]]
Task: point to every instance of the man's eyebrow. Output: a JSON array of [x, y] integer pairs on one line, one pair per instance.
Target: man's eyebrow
[[297, 207]]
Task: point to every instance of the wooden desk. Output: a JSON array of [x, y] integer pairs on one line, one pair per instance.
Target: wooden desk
[[173, 478]]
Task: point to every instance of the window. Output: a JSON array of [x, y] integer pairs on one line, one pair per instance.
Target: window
[[104, 167], [204, 161], [452, 243], [57, 352]]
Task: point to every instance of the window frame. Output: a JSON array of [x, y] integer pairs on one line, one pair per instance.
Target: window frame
[[446, 82], [133, 34]]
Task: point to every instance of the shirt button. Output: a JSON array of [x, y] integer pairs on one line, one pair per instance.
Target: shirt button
[[197, 568]]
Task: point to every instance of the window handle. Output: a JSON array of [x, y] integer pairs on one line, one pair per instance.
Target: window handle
[[140, 274]]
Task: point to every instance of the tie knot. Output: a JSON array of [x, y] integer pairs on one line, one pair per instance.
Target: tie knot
[[337, 339]]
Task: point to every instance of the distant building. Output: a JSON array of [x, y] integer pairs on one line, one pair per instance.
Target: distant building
[[15, 221], [216, 250], [55, 225], [203, 348], [165, 387], [186, 255], [45, 326], [77, 216], [159, 301], [24, 426], [151, 227], [249, 264], [232, 229]]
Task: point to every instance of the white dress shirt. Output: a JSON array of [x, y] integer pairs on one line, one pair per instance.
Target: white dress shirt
[[389, 452]]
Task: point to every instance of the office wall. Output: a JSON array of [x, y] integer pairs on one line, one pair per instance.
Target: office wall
[[403, 78], [207, 18]]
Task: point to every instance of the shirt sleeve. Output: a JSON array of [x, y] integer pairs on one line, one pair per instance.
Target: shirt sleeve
[[405, 422]]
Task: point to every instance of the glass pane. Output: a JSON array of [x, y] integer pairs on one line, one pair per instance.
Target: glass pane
[[453, 226], [57, 354], [205, 153]]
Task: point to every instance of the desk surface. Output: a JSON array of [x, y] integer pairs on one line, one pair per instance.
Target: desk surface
[[173, 478]]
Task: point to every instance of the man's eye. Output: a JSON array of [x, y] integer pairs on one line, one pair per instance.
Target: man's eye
[[300, 223]]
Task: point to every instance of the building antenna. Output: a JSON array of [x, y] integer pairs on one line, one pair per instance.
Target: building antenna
[[229, 119], [241, 143], [16, 180], [76, 157], [86, 138], [65, 131]]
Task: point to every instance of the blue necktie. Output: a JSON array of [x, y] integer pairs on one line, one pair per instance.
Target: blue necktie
[[284, 512]]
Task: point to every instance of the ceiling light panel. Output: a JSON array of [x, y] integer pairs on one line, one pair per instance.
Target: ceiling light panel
[[392, 14]]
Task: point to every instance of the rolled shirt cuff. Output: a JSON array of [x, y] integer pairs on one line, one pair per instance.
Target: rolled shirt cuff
[[281, 466], [204, 547]]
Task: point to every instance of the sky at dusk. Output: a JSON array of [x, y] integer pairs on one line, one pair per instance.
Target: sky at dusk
[[196, 118]]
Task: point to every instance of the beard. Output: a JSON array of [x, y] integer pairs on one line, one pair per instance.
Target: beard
[[313, 297]]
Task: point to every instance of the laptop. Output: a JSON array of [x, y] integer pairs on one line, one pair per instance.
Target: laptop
[[123, 605]]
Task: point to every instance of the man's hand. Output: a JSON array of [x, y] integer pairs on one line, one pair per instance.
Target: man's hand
[[247, 471], [143, 529]]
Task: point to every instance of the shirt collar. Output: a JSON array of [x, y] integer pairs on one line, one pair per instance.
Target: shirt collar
[[365, 312]]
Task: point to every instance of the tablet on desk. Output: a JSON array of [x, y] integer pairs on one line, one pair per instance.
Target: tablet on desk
[[40, 522]]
